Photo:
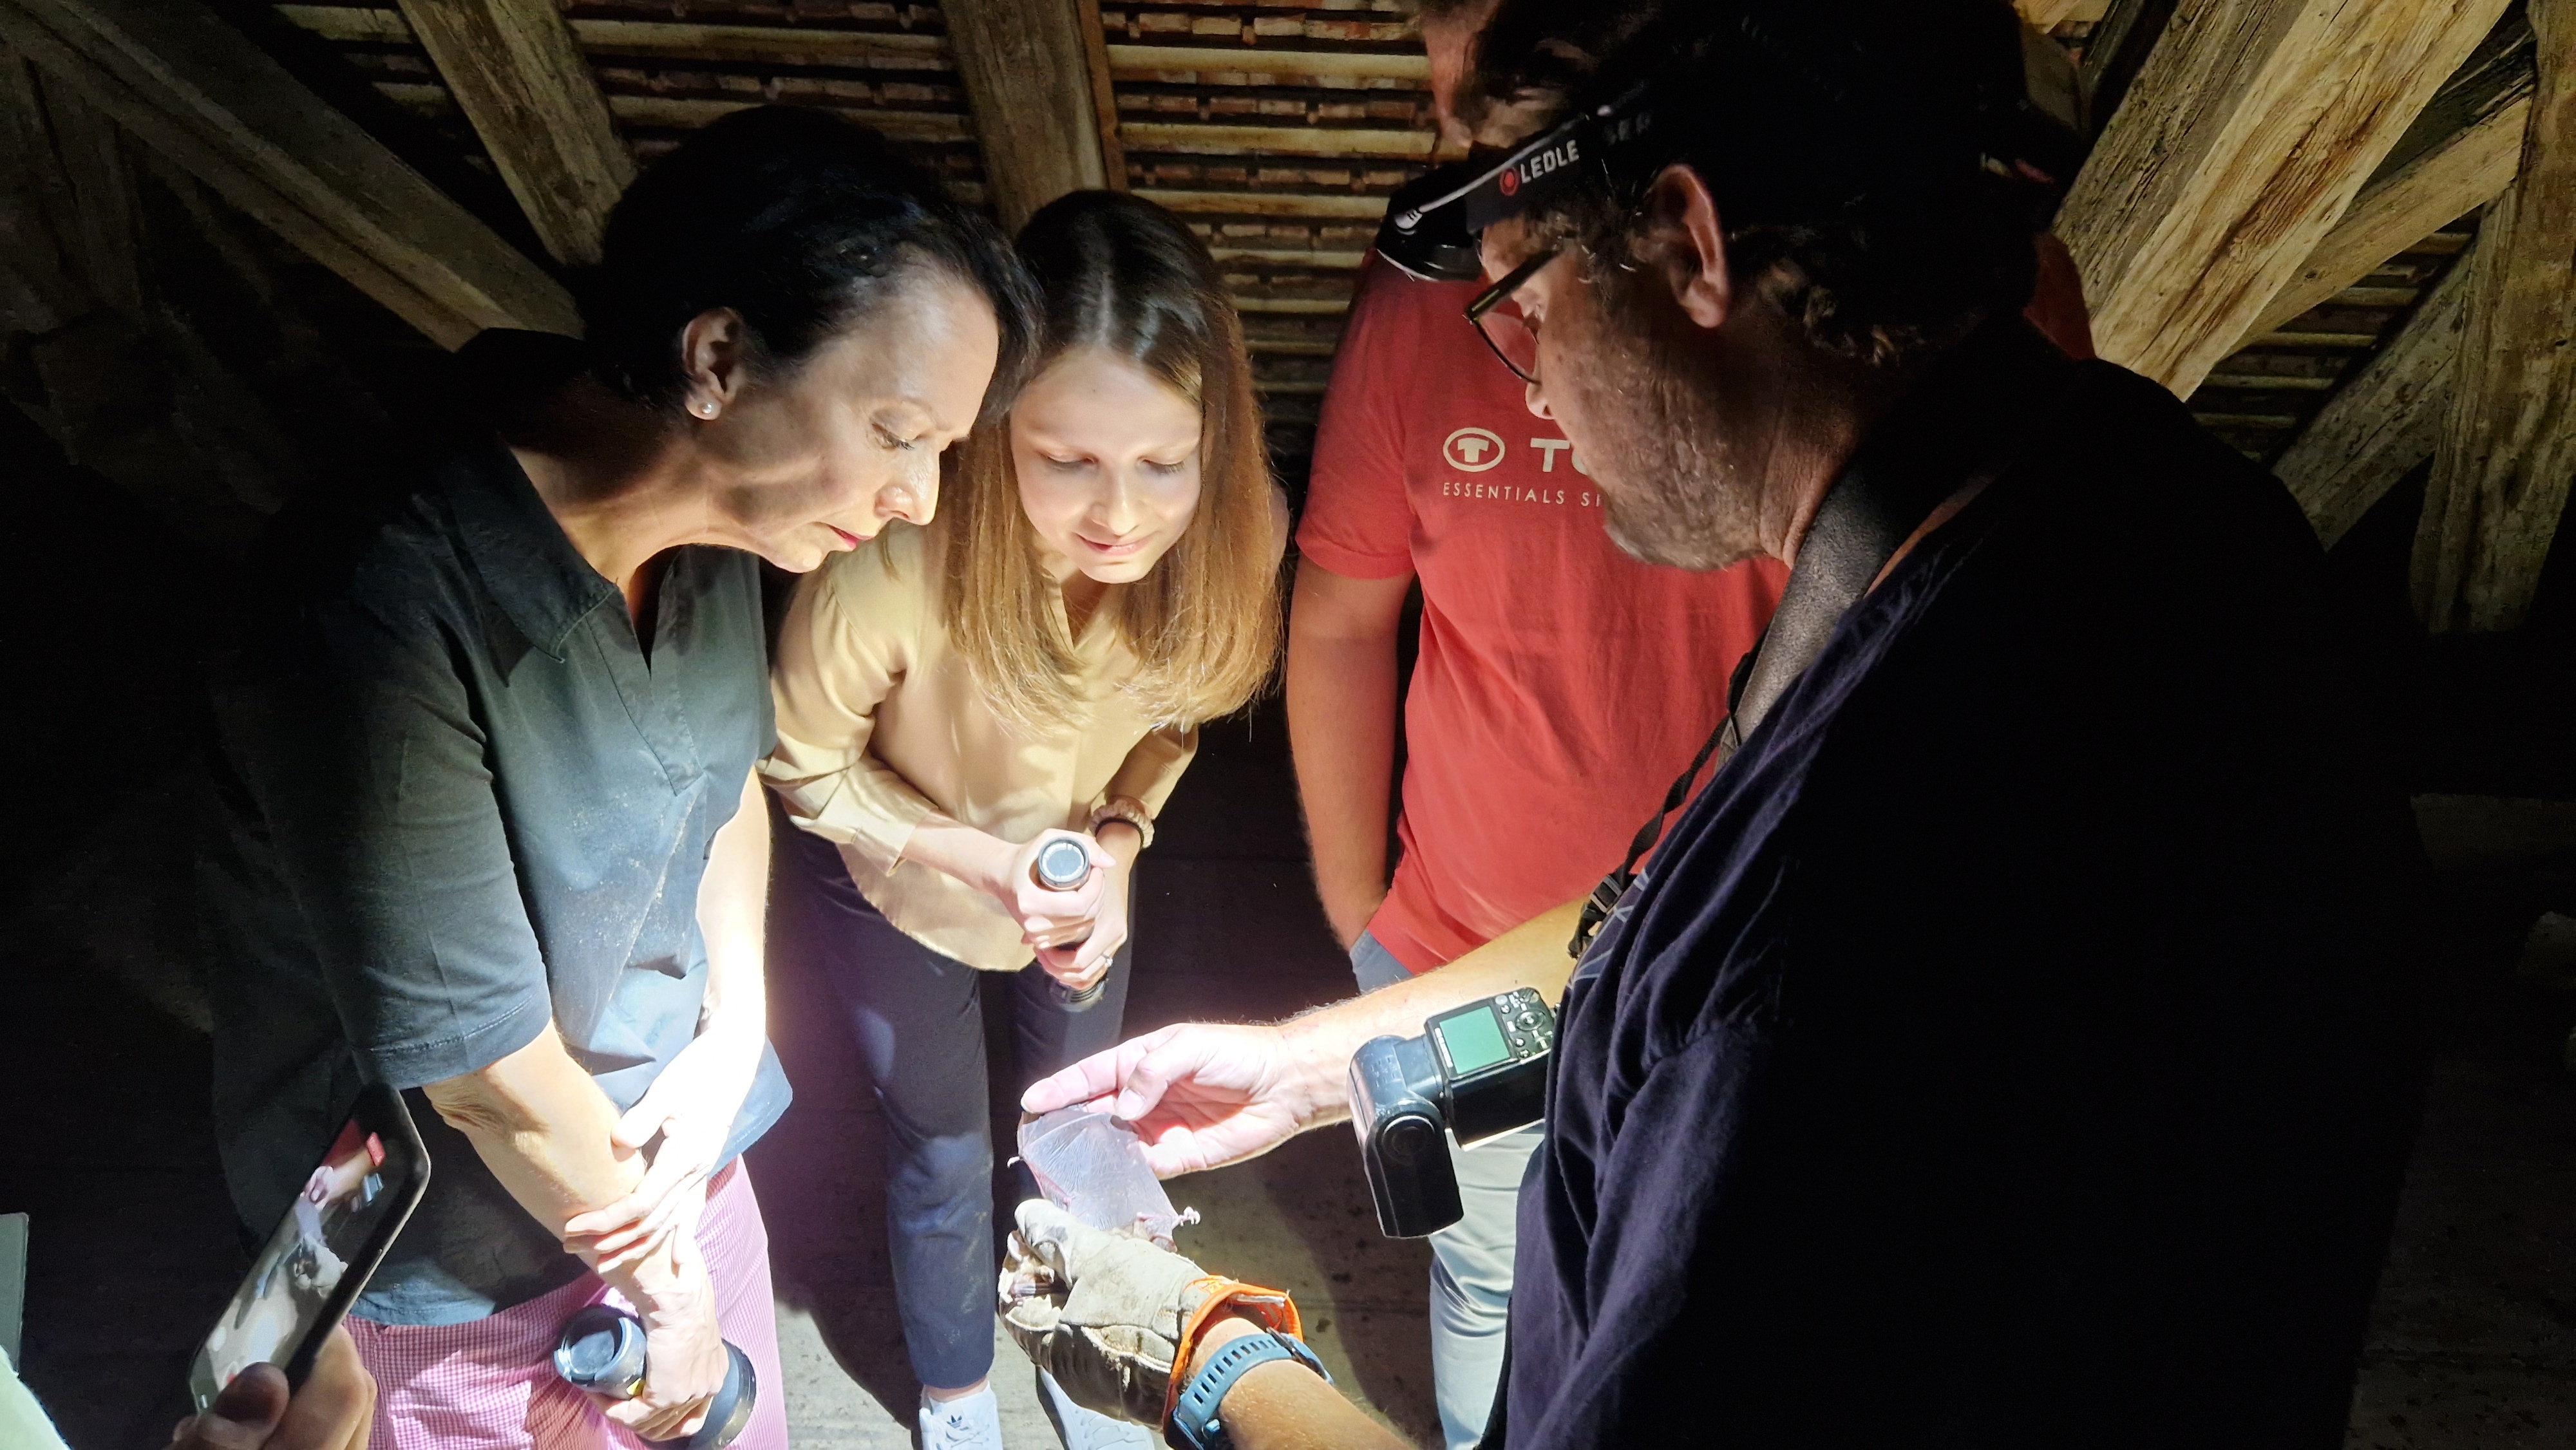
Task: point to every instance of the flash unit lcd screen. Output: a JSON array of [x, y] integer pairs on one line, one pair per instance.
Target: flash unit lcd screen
[[1474, 1041]]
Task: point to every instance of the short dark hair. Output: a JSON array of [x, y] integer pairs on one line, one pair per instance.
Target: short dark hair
[[1860, 151], [800, 221]]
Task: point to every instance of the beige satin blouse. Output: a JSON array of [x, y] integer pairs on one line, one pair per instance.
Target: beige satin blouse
[[880, 723]]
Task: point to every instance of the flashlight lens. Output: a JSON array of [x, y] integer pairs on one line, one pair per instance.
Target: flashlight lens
[[1062, 865]]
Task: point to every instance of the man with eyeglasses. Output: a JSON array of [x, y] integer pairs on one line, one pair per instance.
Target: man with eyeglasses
[[1559, 687], [2008, 1046]]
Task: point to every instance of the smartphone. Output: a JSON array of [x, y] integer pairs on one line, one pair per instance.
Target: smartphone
[[314, 1267]]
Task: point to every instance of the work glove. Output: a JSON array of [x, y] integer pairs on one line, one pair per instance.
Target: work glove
[[1104, 1313]]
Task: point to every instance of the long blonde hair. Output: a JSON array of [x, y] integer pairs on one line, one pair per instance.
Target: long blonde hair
[[1122, 274]]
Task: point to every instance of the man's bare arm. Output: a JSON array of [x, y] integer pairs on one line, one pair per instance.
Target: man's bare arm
[[1203, 1095], [1529, 955], [1341, 732], [1285, 1406]]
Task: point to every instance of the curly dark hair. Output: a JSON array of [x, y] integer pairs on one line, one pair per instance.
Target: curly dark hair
[[1860, 152]]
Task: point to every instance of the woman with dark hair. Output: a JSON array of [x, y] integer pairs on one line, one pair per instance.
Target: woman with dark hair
[[1029, 671], [488, 829]]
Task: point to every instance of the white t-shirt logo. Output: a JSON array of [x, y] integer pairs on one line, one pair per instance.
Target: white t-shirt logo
[[1473, 450]]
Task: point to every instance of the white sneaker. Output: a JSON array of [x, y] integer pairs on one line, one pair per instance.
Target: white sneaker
[[1082, 1429], [969, 1422]]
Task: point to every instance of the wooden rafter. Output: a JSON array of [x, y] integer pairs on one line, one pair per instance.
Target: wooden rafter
[[42, 285], [1296, 62], [531, 97], [675, 39], [112, 367], [1027, 69], [2246, 135], [2116, 50], [2384, 421], [2047, 15], [2508, 444], [199, 92], [1225, 139], [2438, 172], [1104, 95], [100, 211]]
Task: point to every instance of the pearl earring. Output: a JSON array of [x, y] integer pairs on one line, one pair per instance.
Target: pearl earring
[[707, 409]]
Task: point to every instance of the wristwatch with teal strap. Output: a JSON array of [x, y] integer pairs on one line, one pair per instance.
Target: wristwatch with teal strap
[[1195, 1422]]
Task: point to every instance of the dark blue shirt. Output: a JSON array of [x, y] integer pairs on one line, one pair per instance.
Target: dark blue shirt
[[2004, 1048], [457, 798]]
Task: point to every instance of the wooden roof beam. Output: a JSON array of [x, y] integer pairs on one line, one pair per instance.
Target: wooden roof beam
[[2386, 420], [2436, 174], [1028, 67], [2246, 135], [671, 39], [1104, 94], [525, 87], [2046, 15], [1261, 141], [2508, 443], [1235, 58], [201, 93], [116, 372]]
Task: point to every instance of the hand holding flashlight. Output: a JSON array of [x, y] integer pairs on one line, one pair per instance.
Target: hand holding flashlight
[[1077, 956]]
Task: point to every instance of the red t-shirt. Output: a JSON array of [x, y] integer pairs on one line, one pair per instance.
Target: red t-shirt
[[1561, 684]]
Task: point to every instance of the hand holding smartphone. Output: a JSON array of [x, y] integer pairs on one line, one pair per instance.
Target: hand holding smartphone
[[334, 1409], [317, 1262]]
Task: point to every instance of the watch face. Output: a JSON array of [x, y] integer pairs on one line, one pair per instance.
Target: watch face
[[1473, 1041]]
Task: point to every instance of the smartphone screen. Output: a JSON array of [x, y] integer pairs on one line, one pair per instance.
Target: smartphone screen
[[332, 1237]]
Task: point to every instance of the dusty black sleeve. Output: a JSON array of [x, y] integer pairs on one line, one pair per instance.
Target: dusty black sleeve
[[350, 726]]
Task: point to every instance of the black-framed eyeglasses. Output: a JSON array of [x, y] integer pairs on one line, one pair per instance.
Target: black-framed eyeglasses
[[1501, 327]]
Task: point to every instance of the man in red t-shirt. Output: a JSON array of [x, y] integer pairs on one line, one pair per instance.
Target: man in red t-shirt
[[1561, 686]]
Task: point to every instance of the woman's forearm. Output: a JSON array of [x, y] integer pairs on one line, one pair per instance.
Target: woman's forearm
[[1122, 841], [953, 848], [733, 910], [542, 1126]]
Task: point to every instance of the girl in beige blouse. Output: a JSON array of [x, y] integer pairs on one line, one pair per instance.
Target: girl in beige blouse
[[1031, 667]]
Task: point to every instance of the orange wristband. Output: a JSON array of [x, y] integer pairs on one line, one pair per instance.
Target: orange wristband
[[1276, 1311]]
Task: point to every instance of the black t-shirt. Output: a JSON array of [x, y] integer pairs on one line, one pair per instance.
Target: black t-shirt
[[2005, 1048], [458, 799]]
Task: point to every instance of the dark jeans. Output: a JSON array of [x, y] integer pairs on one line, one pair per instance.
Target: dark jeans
[[920, 1031]]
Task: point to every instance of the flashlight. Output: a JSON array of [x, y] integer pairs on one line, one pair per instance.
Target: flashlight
[[1063, 865], [602, 1350]]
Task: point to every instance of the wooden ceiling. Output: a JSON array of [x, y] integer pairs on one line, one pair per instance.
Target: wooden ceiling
[[2276, 188], [1278, 131]]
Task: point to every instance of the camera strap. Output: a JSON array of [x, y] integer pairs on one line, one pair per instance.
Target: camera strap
[[1883, 497]]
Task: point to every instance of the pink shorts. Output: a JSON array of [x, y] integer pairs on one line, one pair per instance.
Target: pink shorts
[[490, 1384]]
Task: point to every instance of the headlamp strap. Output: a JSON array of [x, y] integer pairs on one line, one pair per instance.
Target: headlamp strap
[[1605, 897]]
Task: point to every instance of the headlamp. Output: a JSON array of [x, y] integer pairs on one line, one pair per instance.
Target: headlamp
[[1811, 122], [1432, 223]]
